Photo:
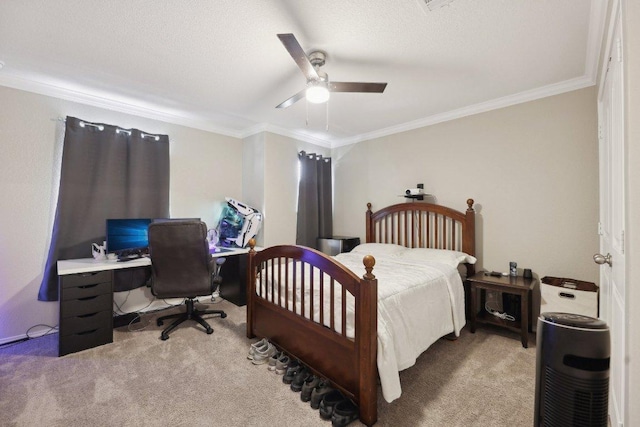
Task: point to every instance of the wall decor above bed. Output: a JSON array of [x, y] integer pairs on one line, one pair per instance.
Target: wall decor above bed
[[376, 308]]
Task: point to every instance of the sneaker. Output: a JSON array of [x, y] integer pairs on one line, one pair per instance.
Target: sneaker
[[329, 402], [319, 392], [344, 413], [292, 371], [309, 384], [263, 354], [256, 345], [260, 349], [282, 364], [273, 360], [299, 379]]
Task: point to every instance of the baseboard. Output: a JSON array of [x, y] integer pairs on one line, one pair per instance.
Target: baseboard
[[125, 319], [24, 337]]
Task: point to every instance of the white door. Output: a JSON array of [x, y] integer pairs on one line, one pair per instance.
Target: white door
[[612, 219]]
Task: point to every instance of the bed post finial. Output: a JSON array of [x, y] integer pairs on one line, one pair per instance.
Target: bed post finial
[[369, 224], [470, 203], [252, 245], [369, 261]]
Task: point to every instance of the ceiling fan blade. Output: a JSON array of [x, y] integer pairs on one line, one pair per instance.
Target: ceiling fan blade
[[357, 87], [295, 50], [295, 98]]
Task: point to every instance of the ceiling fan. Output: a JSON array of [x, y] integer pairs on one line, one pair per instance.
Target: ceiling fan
[[318, 84]]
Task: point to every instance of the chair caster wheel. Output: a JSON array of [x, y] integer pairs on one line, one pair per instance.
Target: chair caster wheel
[[164, 337], [160, 323], [209, 331], [223, 315]]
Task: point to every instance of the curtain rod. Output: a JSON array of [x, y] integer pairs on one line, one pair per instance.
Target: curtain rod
[[82, 123], [101, 127]]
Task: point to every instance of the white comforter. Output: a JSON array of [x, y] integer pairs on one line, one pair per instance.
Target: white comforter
[[418, 303]]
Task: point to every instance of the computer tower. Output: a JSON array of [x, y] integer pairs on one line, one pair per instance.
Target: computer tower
[[337, 244], [234, 279]]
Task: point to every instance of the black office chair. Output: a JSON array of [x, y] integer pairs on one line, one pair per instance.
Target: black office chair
[[181, 267]]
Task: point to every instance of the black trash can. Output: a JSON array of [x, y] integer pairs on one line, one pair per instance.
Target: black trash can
[[572, 371]]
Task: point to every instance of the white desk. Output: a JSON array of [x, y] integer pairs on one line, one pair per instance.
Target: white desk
[[90, 265], [86, 296]]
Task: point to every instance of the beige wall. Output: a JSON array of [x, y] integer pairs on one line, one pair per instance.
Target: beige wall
[[205, 168], [253, 172], [273, 163], [531, 168], [30, 158]]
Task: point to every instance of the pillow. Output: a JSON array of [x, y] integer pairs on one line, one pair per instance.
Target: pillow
[[452, 258], [379, 249]]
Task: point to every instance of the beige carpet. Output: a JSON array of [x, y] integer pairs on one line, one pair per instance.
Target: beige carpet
[[482, 379]]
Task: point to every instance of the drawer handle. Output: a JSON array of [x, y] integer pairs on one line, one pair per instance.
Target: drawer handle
[[87, 332], [84, 316], [566, 295], [87, 298], [88, 286], [89, 274]]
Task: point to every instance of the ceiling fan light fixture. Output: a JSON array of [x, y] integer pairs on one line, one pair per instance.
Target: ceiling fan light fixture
[[317, 92], [318, 87]]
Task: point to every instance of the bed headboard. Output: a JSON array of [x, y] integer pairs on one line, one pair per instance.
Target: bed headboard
[[424, 225]]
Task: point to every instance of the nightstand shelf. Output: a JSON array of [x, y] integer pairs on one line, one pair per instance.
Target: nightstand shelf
[[483, 316], [480, 283]]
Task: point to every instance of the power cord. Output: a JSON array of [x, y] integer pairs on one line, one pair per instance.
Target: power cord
[[120, 312], [493, 297], [503, 316], [51, 328], [27, 337]]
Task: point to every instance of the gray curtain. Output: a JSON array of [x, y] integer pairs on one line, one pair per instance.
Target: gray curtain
[[107, 172], [315, 209]]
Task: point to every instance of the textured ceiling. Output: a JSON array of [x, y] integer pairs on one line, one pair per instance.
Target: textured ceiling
[[218, 64]]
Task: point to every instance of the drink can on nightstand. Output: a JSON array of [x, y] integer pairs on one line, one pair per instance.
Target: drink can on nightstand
[[513, 269]]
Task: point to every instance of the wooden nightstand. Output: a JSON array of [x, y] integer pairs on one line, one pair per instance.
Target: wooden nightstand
[[507, 285]]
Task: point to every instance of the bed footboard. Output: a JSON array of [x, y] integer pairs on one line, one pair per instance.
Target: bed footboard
[[318, 311]]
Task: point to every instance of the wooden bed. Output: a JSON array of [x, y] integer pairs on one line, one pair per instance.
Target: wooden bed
[[320, 341]]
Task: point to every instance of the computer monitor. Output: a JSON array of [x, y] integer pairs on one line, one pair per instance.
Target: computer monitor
[[128, 236]]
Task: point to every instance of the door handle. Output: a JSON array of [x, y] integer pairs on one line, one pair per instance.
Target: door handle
[[601, 259]]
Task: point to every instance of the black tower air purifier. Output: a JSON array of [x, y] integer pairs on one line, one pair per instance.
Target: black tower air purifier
[[572, 371]]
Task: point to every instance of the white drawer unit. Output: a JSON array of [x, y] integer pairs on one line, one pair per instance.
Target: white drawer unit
[[568, 296]]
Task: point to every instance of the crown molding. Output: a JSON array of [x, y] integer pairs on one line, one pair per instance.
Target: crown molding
[[157, 114], [153, 113], [149, 112], [596, 32], [300, 136], [507, 101]]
